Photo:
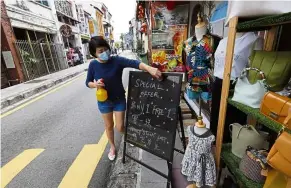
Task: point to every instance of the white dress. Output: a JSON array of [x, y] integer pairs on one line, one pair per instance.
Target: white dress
[[198, 164]]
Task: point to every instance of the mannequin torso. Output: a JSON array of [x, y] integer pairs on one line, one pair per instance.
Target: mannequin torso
[[200, 130], [200, 32]]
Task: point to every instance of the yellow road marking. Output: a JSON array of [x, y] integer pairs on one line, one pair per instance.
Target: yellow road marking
[[12, 168], [39, 97], [82, 169]]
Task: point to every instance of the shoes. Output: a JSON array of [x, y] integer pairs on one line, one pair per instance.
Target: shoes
[[111, 156]]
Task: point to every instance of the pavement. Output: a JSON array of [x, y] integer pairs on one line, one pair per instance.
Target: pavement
[[14, 94]]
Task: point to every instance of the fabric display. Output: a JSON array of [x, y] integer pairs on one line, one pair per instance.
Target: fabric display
[[275, 65], [276, 107], [252, 163], [198, 164], [247, 93], [247, 135], [198, 64]]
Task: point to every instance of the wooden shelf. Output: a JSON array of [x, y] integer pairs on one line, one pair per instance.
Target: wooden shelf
[[263, 23], [232, 162], [273, 125]]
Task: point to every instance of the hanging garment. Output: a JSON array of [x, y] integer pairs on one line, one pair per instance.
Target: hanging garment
[[199, 62], [198, 164], [244, 45]]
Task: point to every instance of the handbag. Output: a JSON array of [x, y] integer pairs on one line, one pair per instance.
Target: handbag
[[276, 107], [250, 94], [275, 65], [279, 156], [252, 163], [275, 179], [247, 135]]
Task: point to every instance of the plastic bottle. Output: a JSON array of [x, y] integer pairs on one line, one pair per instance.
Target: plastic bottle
[[101, 94]]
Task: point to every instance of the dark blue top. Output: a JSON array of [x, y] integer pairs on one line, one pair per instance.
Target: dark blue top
[[111, 72]]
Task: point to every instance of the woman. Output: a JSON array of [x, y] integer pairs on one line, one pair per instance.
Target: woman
[[109, 69]]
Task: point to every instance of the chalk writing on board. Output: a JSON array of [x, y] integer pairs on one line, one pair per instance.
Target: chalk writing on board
[[152, 112], [153, 94], [174, 79], [152, 109], [148, 85]]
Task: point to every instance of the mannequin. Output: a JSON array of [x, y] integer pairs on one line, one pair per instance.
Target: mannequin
[[200, 29], [200, 127], [198, 164], [244, 44], [199, 58]]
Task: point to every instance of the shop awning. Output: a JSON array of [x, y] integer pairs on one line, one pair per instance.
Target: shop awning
[[220, 12]]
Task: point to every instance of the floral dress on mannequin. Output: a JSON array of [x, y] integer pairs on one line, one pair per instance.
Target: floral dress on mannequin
[[199, 60], [198, 164]]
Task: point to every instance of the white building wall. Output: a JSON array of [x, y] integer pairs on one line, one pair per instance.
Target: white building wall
[[31, 16]]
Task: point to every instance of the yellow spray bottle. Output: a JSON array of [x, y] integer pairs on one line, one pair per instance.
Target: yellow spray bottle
[[101, 94]]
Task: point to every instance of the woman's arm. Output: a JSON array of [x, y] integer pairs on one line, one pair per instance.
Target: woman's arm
[[90, 81], [125, 62]]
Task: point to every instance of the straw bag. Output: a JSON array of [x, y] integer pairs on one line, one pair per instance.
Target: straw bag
[[252, 163]]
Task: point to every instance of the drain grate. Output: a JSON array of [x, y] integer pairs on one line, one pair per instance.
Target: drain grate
[[35, 81]]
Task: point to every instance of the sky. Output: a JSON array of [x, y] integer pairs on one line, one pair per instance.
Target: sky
[[122, 12]]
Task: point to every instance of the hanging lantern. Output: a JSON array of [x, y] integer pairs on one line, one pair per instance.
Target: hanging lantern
[[170, 5], [139, 7], [142, 30], [144, 25]]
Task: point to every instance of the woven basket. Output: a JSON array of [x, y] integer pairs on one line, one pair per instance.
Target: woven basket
[[251, 169]]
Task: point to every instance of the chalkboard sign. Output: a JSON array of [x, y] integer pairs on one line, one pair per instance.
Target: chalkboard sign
[[152, 112]]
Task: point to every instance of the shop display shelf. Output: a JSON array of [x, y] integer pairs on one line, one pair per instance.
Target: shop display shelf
[[232, 162], [263, 22], [254, 112]]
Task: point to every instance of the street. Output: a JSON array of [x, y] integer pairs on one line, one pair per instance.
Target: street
[[57, 141]]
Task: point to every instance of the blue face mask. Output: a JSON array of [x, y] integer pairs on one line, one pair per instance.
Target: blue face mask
[[104, 56]]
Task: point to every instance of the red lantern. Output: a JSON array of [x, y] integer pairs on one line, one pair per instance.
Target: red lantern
[[139, 16], [170, 5], [139, 7], [144, 25], [139, 12]]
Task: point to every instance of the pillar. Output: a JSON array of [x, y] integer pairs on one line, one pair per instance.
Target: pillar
[[7, 40]]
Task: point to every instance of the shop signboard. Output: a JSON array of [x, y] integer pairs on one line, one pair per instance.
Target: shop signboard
[[169, 31]]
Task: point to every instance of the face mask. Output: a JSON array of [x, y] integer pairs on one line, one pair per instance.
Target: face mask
[[104, 56]]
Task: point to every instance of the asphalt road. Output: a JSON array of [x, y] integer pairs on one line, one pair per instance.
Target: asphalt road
[[61, 123]]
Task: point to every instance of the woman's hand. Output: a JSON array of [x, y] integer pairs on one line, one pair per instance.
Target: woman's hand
[[99, 83], [155, 72]]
